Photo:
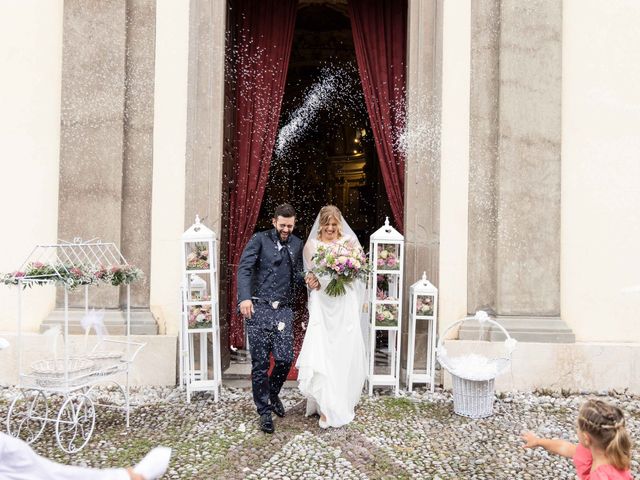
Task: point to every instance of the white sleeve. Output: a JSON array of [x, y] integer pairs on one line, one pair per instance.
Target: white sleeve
[[18, 461], [307, 254]]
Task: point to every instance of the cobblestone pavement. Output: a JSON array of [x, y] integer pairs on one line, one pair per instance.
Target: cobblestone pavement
[[411, 436]]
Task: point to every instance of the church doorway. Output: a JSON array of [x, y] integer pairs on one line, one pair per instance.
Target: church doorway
[[324, 151], [331, 158]]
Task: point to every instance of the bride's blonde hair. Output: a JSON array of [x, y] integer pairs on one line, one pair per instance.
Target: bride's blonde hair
[[327, 213]]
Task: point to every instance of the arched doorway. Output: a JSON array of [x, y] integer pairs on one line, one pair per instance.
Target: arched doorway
[[334, 160]]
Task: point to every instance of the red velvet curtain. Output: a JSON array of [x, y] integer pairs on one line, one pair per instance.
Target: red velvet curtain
[[262, 50], [380, 39]]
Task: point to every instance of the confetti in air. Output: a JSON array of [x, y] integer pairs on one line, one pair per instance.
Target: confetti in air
[[333, 85]]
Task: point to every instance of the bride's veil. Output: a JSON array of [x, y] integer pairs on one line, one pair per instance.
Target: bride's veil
[[359, 285]]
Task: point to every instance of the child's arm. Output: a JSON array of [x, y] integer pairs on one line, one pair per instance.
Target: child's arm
[[553, 445]]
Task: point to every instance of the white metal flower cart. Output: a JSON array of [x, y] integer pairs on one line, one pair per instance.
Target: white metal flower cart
[[61, 391]]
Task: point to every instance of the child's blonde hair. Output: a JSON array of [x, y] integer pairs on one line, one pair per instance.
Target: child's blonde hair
[[606, 426]]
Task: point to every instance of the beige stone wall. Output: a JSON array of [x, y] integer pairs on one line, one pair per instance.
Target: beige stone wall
[[576, 367], [601, 169], [154, 365], [30, 55]]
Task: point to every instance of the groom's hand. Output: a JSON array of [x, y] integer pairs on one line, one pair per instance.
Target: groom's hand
[[246, 308], [312, 281]]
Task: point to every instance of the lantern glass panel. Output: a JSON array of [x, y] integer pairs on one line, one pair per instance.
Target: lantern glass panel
[[199, 287], [386, 315], [388, 256], [383, 362], [197, 255], [424, 305], [200, 316], [387, 286]]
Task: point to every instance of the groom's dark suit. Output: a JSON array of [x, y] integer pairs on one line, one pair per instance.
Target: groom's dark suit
[[268, 274]]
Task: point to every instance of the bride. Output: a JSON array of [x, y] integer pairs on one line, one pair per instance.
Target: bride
[[332, 364]]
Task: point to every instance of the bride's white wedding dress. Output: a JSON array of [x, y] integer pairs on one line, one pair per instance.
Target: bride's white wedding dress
[[332, 364]]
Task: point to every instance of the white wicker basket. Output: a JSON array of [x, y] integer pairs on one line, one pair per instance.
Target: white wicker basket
[[472, 398], [473, 394], [105, 359], [51, 373]]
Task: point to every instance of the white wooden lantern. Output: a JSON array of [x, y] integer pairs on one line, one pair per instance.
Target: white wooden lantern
[[386, 250], [423, 307], [200, 326]]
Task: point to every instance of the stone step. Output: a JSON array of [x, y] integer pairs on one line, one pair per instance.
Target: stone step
[[142, 321], [523, 329]]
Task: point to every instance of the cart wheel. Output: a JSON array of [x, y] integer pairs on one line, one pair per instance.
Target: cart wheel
[[75, 423], [27, 415]]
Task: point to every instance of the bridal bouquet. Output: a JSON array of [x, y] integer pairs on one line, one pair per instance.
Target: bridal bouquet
[[343, 262]]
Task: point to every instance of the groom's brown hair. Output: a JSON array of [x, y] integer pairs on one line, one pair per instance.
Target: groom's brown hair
[[285, 210]]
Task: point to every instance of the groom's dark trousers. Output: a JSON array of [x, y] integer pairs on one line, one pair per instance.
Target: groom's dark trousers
[[268, 275], [265, 337]]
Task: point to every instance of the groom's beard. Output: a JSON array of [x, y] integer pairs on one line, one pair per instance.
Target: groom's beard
[[281, 238]]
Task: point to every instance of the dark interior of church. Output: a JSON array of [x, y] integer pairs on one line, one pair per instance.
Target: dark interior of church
[[334, 161]]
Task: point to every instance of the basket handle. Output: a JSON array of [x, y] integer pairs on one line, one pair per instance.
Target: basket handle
[[461, 321]]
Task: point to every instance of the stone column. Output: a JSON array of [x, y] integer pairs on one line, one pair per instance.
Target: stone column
[[422, 177], [106, 144], [514, 216], [92, 120], [205, 125], [137, 167]]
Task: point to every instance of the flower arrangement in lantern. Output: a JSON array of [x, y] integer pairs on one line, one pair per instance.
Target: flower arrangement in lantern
[[198, 258], [200, 315], [387, 257], [386, 315]]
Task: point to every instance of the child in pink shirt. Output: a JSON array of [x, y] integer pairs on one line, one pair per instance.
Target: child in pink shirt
[[604, 451]]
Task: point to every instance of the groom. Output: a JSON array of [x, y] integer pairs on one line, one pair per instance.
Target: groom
[[269, 272]]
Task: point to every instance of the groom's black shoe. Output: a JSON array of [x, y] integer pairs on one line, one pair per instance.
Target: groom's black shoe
[[277, 407], [266, 423]]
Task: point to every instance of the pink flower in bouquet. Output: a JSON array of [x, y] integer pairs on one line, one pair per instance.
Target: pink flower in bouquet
[[76, 271], [392, 261], [340, 262], [381, 262], [37, 264], [18, 274]]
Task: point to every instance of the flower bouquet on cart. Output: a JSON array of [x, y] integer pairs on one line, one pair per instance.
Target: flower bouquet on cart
[[344, 262]]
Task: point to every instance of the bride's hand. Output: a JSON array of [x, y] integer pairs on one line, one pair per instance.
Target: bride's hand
[[312, 281]]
